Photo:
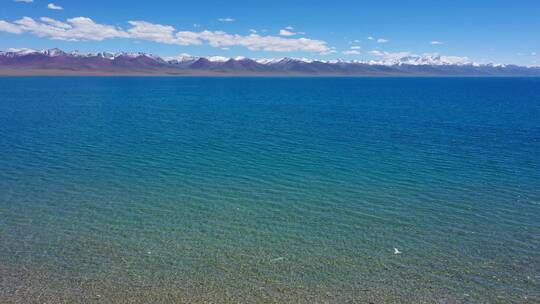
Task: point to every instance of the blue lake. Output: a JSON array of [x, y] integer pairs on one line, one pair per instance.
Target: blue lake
[[255, 190]]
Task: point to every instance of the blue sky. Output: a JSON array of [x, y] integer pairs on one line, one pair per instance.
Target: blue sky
[[484, 31]]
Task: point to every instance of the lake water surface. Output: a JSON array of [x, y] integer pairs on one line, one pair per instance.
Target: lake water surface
[[255, 190]]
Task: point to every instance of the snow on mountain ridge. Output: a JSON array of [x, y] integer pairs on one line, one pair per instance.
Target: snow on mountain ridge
[[387, 59], [217, 58]]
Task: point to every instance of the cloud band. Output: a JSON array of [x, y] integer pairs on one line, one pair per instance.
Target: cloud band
[[85, 29]]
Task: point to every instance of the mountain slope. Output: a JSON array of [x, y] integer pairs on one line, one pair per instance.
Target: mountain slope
[[58, 62]]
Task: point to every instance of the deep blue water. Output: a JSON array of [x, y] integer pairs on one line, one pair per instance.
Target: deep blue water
[[270, 190]]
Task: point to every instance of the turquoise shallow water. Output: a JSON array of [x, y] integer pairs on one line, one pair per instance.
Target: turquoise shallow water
[[270, 190]]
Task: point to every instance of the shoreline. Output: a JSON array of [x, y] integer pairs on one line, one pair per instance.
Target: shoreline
[[67, 73]]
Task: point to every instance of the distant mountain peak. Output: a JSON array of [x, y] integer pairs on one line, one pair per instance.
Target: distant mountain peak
[[29, 61]]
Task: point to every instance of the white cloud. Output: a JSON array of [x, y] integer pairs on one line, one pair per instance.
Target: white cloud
[[255, 42], [379, 40], [185, 38], [54, 6], [351, 52], [83, 28], [9, 27], [533, 53], [161, 33], [24, 1], [196, 25], [55, 23], [331, 50], [435, 42], [154, 32], [226, 19], [75, 29], [355, 47], [253, 31], [286, 33]]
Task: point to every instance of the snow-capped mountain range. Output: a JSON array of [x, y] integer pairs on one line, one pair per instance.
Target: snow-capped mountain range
[[57, 62]]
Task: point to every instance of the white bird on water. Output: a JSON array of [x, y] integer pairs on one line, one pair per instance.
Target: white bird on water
[[396, 251]]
